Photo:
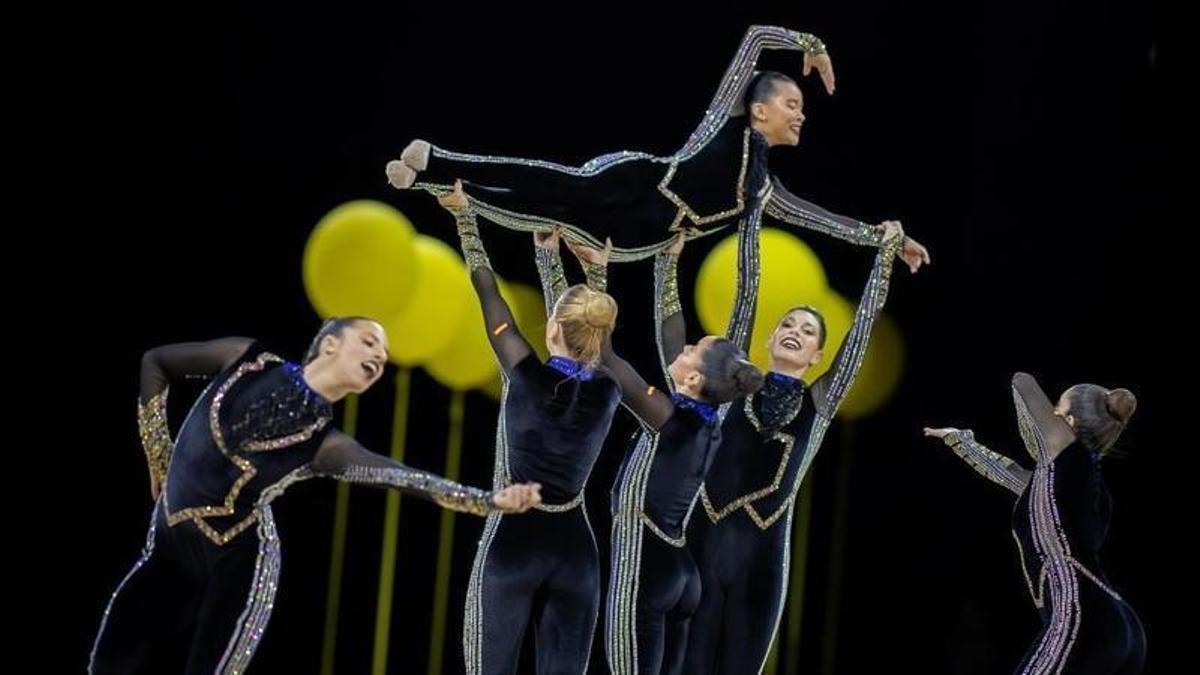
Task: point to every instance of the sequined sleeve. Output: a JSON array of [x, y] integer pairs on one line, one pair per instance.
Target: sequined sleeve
[[469, 240], [993, 466], [596, 275], [156, 436], [728, 98], [159, 367], [669, 322], [342, 458], [831, 388], [790, 209], [550, 271], [745, 304]]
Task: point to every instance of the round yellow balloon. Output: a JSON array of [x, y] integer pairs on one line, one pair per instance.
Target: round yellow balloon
[[791, 274], [880, 374], [359, 261], [436, 311], [494, 388]]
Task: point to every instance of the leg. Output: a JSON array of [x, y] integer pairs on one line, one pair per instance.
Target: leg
[[679, 620], [755, 600], [151, 611], [618, 200], [705, 630], [567, 621], [664, 585], [510, 577], [243, 576], [651, 636]]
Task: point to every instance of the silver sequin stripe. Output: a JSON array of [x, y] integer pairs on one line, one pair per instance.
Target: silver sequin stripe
[[590, 168], [621, 618], [781, 207], [595, 615], [781, 593], [854, 350], [147, 551], [986, 462], [261, 600], [253, 621], [437, 487], [662, 265], [531, 223], [1052, 547], [728, 98], [473, 612], [741, 319], [473, 618]]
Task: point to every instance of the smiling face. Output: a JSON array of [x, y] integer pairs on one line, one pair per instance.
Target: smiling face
[[780, 115], [796, 343]]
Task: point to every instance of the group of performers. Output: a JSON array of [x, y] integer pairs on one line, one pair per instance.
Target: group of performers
[[703, 501]]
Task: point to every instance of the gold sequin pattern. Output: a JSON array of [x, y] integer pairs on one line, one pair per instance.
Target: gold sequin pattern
[[786, 207], [155, 434], [987, 463], [198, 514], [468, 237], [596, 275], [739, 193], [788, 441], [552, 276]]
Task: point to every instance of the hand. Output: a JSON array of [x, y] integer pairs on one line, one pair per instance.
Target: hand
[[455, 202], [891, 229], [914, 254], [518, 498], [548, 240], [590, 255], [940, 434], [824, 68]]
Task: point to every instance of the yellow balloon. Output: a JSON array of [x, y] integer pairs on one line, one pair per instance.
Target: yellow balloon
[[791, 274], [494, 388], [359, 261], [880, 372], [436, 311], [467, 361]]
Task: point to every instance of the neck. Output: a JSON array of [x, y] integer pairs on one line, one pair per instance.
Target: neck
[[561, 350], [789, 370], [758, 126], [321, 380]]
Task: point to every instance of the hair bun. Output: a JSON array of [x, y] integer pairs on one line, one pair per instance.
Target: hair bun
[[1121, 403], [599, 309], [748, 377]]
